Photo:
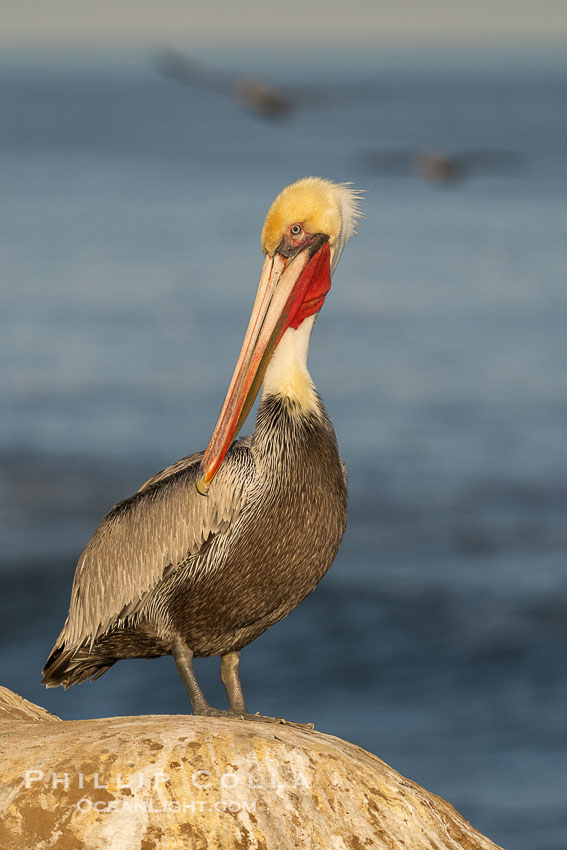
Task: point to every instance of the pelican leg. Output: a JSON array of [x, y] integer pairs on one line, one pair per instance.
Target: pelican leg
[[231, 680], [184, 661], [237, 705]]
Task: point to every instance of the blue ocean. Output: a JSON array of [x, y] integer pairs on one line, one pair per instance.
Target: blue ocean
[[131, 207]]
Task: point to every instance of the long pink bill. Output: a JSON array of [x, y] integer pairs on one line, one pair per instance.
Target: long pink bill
[[284, 287]]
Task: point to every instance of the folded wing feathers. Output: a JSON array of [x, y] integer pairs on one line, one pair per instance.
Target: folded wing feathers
[[143, 538]]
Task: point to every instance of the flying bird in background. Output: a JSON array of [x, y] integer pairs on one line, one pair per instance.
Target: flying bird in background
[[219, 546], [439, 167], [254, 94]]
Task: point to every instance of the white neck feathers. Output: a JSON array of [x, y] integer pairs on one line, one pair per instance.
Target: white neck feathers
[[287, 375]]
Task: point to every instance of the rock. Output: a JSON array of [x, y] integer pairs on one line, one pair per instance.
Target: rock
[[138, 783], [15, 707]]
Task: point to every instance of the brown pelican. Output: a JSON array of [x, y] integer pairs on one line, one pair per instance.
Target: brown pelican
[[219, 546], [255, 94], [439, 167]]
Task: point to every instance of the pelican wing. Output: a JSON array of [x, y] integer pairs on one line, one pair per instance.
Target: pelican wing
[[182, 68], [179, 466], [145, 537]]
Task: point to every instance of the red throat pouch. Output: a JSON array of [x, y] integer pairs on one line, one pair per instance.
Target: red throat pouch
[[318, 287]]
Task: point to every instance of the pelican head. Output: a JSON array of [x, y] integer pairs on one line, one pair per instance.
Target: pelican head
[[319, 207], [304, 234]]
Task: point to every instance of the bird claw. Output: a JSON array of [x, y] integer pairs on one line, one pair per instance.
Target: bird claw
[[262, 718], [281, 720]]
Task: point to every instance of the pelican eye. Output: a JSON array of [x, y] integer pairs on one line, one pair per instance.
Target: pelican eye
[[296, 230]]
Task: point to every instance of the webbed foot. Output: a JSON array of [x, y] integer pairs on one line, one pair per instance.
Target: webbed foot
[[263, 718], [209, 711]]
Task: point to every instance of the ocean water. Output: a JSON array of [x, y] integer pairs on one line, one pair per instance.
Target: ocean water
[[130, 210]]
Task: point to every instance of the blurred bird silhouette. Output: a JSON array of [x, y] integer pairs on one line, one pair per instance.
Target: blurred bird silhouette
[[255, 94], [439, 167]]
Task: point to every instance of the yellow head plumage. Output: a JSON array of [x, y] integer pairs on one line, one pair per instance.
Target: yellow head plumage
[[320, 206]]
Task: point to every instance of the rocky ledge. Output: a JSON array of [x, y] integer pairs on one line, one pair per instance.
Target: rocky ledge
[[138, 783]]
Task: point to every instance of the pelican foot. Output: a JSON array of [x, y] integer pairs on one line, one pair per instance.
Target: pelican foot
[[209, 711], [263, 718]]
